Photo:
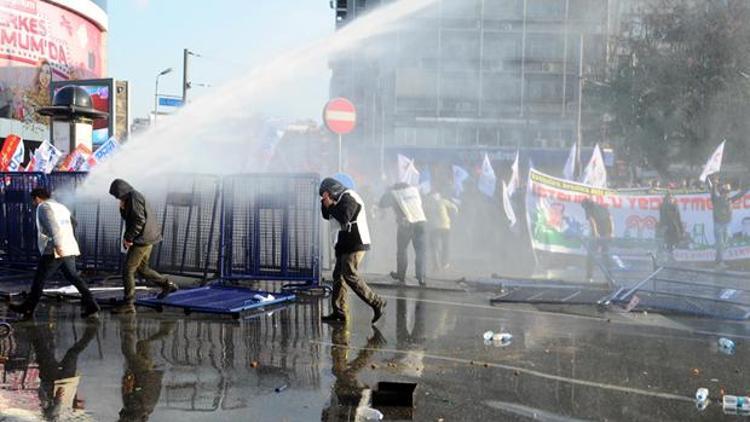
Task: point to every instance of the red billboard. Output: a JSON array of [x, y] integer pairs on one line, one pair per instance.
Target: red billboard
[[41, 42]]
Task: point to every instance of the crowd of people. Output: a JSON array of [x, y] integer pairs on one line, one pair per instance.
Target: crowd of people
[[422, 222], [671, 230]]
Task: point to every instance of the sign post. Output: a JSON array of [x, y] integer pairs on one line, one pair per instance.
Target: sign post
[[340, 117]]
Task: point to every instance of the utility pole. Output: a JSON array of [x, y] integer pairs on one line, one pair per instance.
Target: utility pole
[[185, 80], [579, 134]]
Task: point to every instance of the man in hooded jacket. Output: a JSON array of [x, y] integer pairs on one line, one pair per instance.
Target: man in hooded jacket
[[141, 233], [348, 210]]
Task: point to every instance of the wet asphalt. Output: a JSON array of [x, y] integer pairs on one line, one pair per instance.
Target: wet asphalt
[[563, 363]]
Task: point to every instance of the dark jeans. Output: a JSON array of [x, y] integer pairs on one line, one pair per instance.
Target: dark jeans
[[137, 262], [440, 241], [47, 266], [50, 369], [599, 246], [415, 234]]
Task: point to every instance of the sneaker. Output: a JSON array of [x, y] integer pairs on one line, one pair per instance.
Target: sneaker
[[395, 276], [378, 311], [124, 309], [167, 290], [333, 318]]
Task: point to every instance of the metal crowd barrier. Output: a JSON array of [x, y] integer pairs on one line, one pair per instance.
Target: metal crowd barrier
[[240, 227], [18, 238], [270, 228], [189, 222]]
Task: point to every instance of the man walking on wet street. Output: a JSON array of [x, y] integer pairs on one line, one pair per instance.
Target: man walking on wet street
[[141, 233], [58, 248], [348, 210], [407, 205], [722, 215]]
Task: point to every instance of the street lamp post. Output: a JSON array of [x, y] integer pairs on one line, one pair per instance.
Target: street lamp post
[[156, 91], [579, 132]]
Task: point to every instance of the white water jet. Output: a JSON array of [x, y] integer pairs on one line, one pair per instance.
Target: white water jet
[[210, 135]]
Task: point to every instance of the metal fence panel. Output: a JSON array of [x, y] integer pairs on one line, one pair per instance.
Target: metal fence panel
[[271, 227], [18, 238], [188, 214], [268, 227]]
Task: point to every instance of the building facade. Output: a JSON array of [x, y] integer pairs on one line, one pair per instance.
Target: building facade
[[42, 41], [477, 73]]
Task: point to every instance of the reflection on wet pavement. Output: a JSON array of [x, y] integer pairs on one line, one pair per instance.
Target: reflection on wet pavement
[[288, 366]]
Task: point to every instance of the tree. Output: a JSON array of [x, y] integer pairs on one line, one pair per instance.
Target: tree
[[681, 82]]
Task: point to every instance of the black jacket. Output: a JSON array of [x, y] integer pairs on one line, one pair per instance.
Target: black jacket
[[141, 226], [345, 211]]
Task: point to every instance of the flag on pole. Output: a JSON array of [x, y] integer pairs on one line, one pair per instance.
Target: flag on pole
[[407, 172], [45, 158], [569, 171], [76, 159], [11, 156], [515, 181], [713, 165], [508, 206], [103, 153], [459, 177], [487, 180], [595, 173]]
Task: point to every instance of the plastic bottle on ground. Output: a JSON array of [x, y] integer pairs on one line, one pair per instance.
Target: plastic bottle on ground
[[726, 345], [701, 394], [736, 404]]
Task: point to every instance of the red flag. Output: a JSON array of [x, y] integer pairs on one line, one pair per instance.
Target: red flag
[[8, 155]]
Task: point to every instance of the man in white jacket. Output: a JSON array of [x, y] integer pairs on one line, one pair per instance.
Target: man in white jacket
[[58, 249]]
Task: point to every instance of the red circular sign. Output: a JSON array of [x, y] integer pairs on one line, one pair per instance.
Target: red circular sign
[[340, 116]]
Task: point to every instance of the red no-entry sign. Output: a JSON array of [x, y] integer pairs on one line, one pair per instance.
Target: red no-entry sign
[[340, 116]]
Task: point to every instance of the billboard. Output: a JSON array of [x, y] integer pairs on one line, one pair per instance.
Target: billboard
[[40, 43], [102, 92]]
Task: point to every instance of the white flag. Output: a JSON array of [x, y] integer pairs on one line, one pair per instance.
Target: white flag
[[713, 165], [407, 172], [569, 171], [487, 179], [508, 206], [595, 173], [515, 180], [45, 158], [459, 177]]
